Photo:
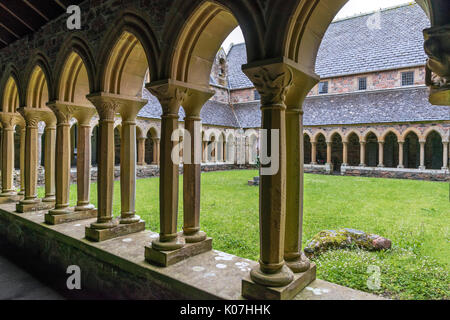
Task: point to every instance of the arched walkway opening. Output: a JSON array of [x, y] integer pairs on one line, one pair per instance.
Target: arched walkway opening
[[372, 150], [117, 139], [434, 151], [73, 145], [411, 151], [354, 150], [337, 150], [390, 150], [307, 149], [150, 150], [94, 146], [321, 149]]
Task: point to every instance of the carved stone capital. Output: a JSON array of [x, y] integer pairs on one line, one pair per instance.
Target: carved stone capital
[[171, 96], [272, 82], [63, 113], [9, 120]]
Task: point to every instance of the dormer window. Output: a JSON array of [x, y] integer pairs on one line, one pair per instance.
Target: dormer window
[[323, 87]]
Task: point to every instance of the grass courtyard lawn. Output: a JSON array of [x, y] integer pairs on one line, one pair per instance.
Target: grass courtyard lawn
[[415, 215]]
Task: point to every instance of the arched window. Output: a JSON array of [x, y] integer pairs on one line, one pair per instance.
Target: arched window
[[354, 150], [372, 150], [390, 151], [434, 151], [307, 149], [337, 151], [321, 149], [411, 151]]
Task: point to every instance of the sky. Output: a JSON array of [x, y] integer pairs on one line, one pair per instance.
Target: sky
[[353, 7]]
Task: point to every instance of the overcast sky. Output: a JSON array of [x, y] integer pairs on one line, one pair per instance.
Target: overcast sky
[[353, 7]]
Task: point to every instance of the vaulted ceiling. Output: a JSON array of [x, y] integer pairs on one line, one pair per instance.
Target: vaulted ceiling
[[21, 17]]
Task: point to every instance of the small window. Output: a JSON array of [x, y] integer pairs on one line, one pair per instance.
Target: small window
[[257, 96], [362, 83], [323, 87], [408, 78]]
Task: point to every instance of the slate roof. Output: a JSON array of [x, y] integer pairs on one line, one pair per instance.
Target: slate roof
[[350, 46], [394, 105], [213, 112]]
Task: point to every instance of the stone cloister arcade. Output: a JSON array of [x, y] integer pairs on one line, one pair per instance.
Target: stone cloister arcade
[[410, 149], [101, 70]]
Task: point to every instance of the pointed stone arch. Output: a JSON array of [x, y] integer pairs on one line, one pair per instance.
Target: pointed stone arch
[[39, 82], [129, 49], [390, 130], [415, 130]]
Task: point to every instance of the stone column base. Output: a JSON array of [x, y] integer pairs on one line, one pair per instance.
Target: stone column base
[[10, 199], [99, 235], [70, 216], [167, 258], [36, 206], [254, 291]]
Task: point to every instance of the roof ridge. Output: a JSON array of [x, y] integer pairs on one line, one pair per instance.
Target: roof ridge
[[359, 15]]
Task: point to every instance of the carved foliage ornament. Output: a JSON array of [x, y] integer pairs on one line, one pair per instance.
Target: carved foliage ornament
[[272, 85], [108, 110], [64, 114]]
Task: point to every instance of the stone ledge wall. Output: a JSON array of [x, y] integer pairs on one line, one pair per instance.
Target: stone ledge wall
[[415, 174]]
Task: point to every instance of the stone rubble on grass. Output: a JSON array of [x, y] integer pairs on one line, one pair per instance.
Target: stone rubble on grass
[[345, 238]]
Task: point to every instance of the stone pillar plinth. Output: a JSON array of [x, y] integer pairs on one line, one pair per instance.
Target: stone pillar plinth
[[381, 154], [445, 155], [49, 162], [422, 155], [8, 121], [400, 155], [313, 152], [362, 153], [141, 151]]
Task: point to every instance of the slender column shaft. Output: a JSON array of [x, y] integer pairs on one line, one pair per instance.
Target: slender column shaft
[[192, 181], [362, 153], [345, 153], [329, 152], [381, 154], [422, 155], [313, 152], [7, 160], [49, 163], [158, 151], [141, 152], [169, 180], [31, 155], [105, 187], [273, 196], [22, 161], [400, 154], [294, 188], [63, 150], [128, 172], [84, 168], [445, 155]]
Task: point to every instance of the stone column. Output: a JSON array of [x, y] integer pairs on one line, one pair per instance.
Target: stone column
[[8, 123], [141, 151], [445, 156], [157, 151], [106, 110], [345, 153], [31, 155], [422, 155], [400, 155], [128, 110], [171, 98], [313, 152], [293, 255], [22, 160], [84, 166], [381, 154], [272, 82], [192, 165], [63, 115], [49, 162], [329, 162], [362, 152]]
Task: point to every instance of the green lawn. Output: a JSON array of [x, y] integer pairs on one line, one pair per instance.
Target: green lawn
[[415, 215]]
